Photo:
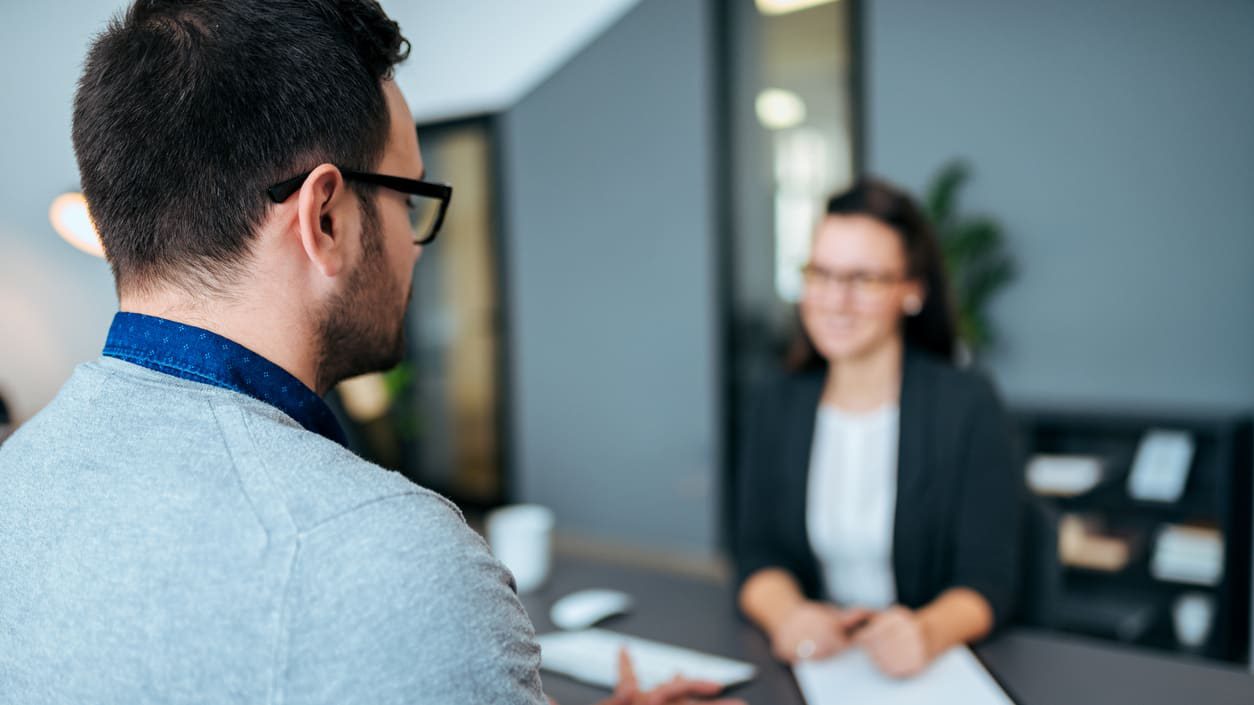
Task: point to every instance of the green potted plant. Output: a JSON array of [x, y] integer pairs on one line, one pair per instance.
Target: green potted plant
[[975, 256]]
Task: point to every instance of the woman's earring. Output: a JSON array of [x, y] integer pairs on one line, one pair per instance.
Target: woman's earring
[[912, 305]]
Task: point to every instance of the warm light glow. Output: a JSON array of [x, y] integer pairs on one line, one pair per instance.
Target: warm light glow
[[366, 397], [71, 220], [783, 7], [779, 109]]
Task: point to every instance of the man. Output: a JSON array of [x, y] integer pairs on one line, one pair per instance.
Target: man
[[182, 523]]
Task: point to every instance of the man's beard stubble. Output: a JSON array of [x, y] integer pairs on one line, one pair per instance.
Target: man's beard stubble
[[362, 331]]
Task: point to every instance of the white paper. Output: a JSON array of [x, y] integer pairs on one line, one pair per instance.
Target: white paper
[[1189, 555], [1161, 467], [1064, 475], [954, 678]]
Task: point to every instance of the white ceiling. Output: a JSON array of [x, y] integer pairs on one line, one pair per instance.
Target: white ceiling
[[481, 56]]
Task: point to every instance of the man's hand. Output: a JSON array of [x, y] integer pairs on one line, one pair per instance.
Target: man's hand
[[679, 691], [896, 642], [814, 630]]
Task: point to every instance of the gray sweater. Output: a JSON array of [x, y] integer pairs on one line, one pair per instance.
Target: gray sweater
[[168, 541]]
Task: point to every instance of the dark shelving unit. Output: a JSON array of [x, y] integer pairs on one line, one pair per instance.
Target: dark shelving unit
[[1131, 605]]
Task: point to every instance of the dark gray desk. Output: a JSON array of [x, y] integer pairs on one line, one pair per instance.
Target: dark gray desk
[[1035, 668]]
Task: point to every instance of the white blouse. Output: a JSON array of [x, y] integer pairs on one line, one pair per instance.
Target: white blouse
[[850, 504]]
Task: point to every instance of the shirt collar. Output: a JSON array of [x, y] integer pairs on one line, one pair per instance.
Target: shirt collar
[[195, 354]]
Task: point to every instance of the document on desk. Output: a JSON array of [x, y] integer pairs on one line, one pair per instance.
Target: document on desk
[[956, 677]]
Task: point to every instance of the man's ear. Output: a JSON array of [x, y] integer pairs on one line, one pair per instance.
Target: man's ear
[[322, 213]]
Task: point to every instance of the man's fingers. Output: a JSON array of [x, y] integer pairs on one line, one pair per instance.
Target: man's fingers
[[626, 674], [706, 688], [625, 670], [674, 690]]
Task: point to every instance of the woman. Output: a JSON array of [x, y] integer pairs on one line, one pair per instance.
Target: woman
[[879, 497]]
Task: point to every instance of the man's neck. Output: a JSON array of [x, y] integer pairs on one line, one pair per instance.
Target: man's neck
[[266, 331]]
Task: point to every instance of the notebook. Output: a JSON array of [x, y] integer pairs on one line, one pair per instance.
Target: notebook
[[956, 677]]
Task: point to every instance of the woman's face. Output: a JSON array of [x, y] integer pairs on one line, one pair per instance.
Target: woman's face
[[856, 290]]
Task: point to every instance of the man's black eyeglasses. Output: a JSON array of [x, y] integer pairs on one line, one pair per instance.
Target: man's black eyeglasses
[[427, 201]]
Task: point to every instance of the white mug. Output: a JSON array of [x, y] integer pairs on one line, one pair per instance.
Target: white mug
[[521, 537], [1192, 616]]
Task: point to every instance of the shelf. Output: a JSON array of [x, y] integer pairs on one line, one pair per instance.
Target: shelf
[[1131, 604], [1134, 577], [1113, 501]]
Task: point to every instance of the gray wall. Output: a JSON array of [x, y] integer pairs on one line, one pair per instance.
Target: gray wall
[[609, 269], [1114, 140], [55, 302]]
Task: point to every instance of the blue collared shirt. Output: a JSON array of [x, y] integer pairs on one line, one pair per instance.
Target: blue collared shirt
[[199, 355]]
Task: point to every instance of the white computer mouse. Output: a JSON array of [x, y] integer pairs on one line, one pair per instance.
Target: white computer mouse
[[584, 608]]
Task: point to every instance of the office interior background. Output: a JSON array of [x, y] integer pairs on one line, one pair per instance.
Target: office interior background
[[636, 181]]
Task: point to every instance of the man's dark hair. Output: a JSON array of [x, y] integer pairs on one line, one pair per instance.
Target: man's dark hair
[[187, 110]]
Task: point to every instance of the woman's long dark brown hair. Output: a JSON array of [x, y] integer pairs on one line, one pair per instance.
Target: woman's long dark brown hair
[[932, 329]]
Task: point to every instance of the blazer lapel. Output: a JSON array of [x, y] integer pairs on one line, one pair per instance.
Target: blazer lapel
[[912, 442], [806, 409], [909, 525]]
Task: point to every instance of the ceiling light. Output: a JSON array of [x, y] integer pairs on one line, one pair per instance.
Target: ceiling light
[[783, 7], [779, 109], [71, 220]]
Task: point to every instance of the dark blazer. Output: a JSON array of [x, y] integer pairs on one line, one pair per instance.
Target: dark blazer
[[959, 486]]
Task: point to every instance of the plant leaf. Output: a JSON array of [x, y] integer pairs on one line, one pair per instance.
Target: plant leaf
[[943, 193]]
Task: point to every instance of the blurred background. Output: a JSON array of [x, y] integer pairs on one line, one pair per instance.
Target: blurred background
[[636, 183]]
